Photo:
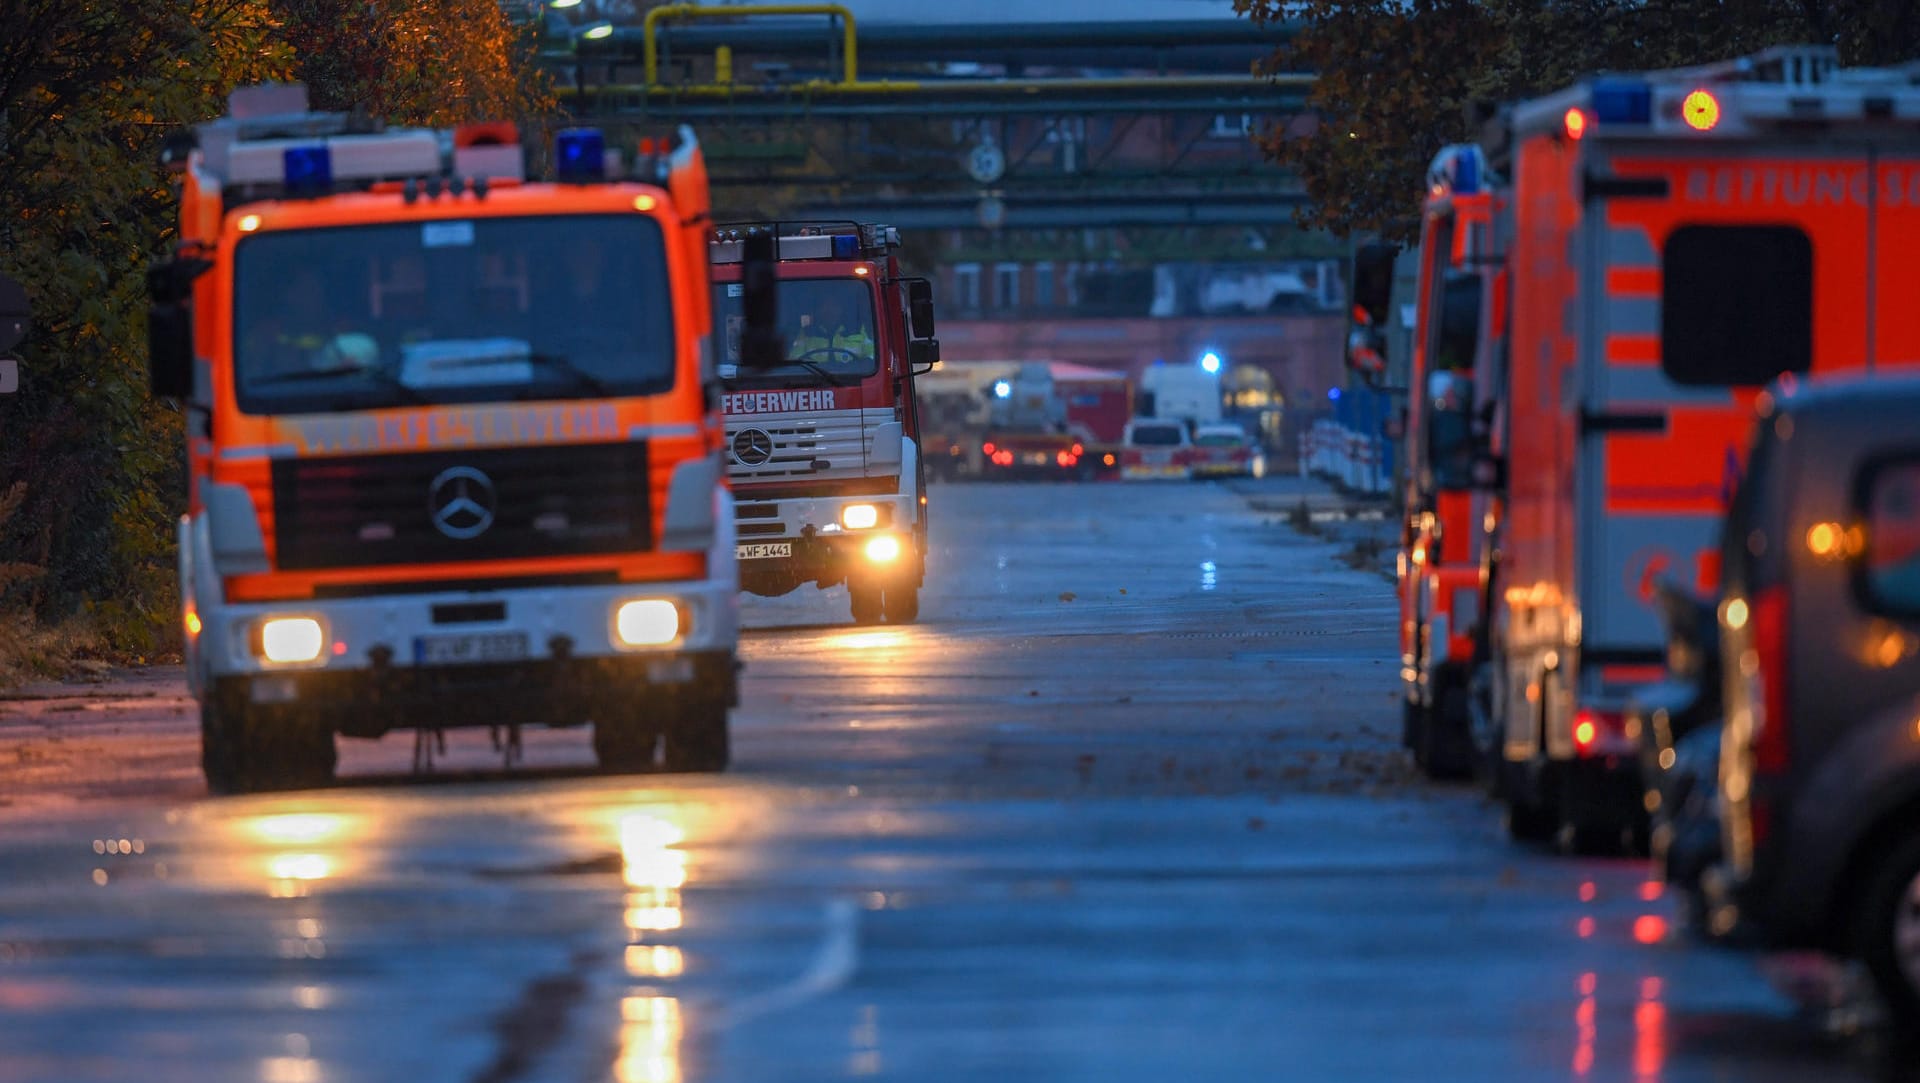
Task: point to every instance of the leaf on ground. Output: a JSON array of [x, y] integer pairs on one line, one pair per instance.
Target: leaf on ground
[[1068, 596]]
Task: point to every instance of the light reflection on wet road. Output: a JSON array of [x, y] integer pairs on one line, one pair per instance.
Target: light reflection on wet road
[[1126, 805]]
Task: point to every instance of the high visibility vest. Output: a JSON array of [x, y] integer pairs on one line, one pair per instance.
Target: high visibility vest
[[856, 342]]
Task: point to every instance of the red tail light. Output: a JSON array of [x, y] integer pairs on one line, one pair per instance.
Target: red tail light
[[1599, 733], [987, 449], [1769, 617]]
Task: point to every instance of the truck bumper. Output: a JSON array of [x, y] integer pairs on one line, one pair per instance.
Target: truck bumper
[[541, 655], [375, 701], [827, 559], [785, 543]]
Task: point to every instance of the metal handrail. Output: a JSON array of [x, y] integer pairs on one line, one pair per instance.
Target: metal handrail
[[649, 29]]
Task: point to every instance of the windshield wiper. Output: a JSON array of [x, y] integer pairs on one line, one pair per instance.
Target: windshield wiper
[[379, 374], [826, 375], [562, 364]]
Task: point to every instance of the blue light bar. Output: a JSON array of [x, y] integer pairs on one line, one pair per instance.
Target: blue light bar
[[307, 169], [580, 154], [1457, 169], [1620, 101], [845, 246]]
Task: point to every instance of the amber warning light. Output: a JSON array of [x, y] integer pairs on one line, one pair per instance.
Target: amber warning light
[[1701, 110], [1576, 124]]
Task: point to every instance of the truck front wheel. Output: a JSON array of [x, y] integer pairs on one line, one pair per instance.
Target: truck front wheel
[[901, 604], [865, 601], [247, 747], [698, 739]]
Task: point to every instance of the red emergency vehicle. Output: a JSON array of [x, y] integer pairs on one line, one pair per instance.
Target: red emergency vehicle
[[1443, 566], [824, 445], [1677, 240]]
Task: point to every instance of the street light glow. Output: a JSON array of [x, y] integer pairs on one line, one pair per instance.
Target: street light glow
[[563, 3], [598, 31]]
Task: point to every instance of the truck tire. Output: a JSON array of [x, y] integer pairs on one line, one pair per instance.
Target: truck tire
[[1413, 729], [1448, 753], [1886, 929], [698, 740], [864, 599], [901, 604], [252, 748], [624, 740], [1531, 822]]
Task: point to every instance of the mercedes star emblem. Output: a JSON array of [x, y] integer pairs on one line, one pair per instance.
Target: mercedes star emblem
[[752, 447], [460, 501]]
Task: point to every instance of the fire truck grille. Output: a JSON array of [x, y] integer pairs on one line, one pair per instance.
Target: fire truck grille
[[495, 504], [805, 446]]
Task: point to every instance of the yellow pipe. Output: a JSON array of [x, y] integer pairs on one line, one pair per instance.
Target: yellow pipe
[[983, 88], [648, 28]]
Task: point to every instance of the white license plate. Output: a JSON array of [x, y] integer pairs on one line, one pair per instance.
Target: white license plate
[[1157, 458], [762, 550], [472, 649], [1035, 458]]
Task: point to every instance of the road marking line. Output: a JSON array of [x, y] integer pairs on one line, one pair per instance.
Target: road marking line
[[833, 965]]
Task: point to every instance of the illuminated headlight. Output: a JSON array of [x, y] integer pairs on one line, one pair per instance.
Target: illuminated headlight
[[859, 516], [883, 549], [649, 622], [287, 640]]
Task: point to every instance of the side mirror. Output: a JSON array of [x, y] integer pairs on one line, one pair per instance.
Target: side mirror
[[170, 326], [1373, 281], [1372, 297], [920, 309], [760, 343], [170, 351], [923, 354]]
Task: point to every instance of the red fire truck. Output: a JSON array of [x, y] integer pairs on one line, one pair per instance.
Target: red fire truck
[[824, 445], [451, 458], [1676, 241], [1443, 570]]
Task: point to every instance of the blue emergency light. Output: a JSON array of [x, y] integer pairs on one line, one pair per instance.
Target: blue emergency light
[[308, 169], [580, 154], [845, 246], [1622, 101], [1002, 389]]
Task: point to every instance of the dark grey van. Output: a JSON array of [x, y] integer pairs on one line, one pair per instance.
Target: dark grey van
[[1819, 780]]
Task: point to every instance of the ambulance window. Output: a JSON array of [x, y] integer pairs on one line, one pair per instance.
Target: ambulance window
[[1736, 308]]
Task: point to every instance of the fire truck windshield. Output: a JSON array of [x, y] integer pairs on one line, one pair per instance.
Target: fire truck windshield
[[469, 310], [827, 324]]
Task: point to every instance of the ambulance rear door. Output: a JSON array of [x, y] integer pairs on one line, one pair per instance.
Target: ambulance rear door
[[1710, 269]]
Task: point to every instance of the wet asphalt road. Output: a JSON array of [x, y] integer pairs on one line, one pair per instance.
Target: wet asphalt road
[[1125, 805]]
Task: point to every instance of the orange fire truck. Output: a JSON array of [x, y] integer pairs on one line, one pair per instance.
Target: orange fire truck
[[1442, 566], [454, 452], [824, 439], [1675, 241]]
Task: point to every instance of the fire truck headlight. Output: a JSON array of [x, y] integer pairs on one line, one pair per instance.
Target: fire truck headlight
[[859, 516], [884, 549], [289, 640], [647, 622]]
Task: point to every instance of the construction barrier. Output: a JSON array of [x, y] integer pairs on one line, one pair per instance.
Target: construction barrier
[[1349, 448]]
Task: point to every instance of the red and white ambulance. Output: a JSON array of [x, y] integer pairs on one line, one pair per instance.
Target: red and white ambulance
[[1675, 241]]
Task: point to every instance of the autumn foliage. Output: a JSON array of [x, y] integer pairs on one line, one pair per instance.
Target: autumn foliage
[[88, 90], [1398, 79]]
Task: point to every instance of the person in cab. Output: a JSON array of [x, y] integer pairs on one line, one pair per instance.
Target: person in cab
[[834, 338]]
